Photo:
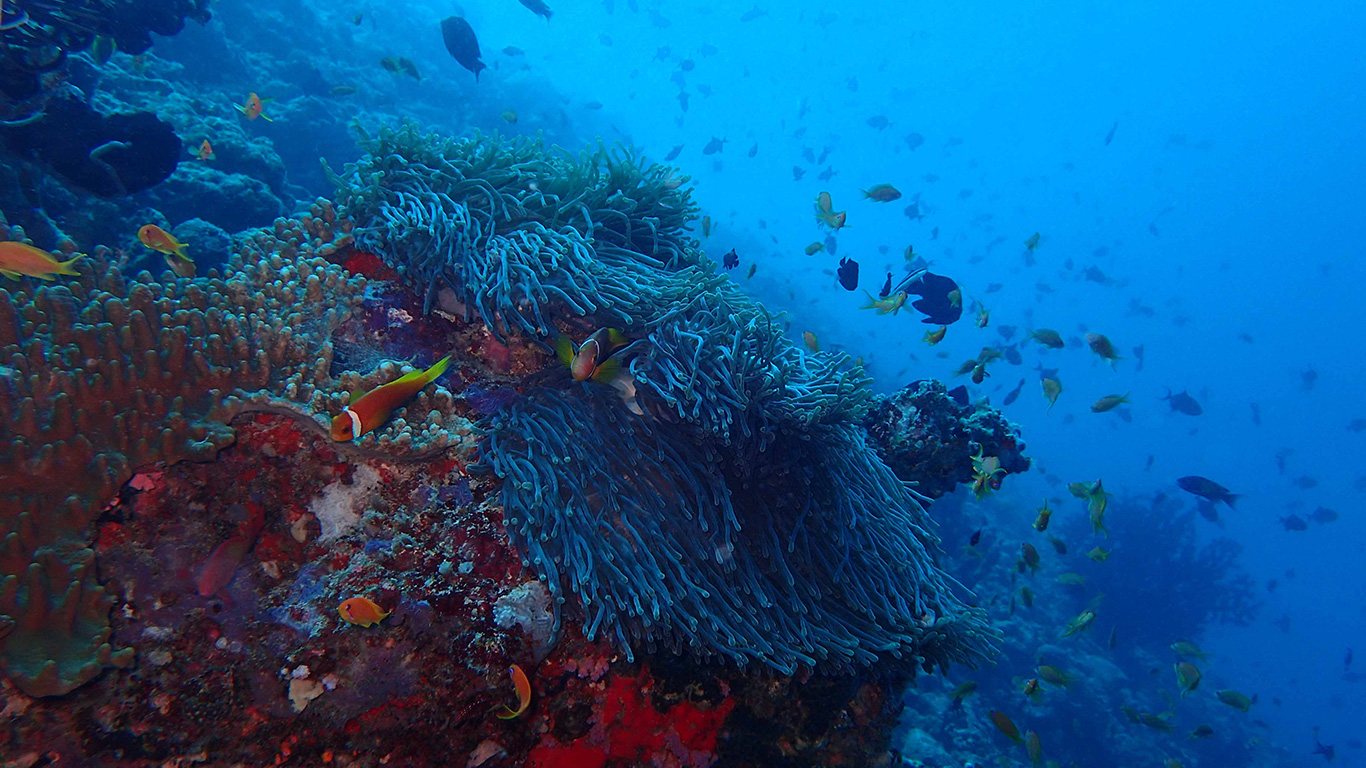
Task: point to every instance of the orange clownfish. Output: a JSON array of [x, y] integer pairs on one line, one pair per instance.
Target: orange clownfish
[[523, 688], [205, 151], [593, 358], [362, 611], [158, 239], [370, 410], [252, 107]]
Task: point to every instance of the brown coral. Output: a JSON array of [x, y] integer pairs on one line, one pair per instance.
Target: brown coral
[[106, 375]]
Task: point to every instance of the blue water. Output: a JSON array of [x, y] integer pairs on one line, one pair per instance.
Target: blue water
[[1225, 215]]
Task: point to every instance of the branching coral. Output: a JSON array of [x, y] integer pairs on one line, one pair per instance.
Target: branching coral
[[516, 231], [1201, 583], [106, 374]]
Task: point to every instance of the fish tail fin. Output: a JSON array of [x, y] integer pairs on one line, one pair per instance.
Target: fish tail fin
[[438, 368], [1230, 498], [608, 371], [240, 108], [564, 349], [872, 302], [183, 251], [65, 268], [265, 117]]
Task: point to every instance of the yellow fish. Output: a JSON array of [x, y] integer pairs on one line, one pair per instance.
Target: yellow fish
[[890, 305], [522, 686], [935, 336], [18, 259]]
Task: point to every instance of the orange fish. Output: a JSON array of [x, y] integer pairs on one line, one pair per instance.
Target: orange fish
[[523, 688], [18, 259], [252, 108], [1007, 727], [370, 410], [362, 611], [221, 565], [205, 151], [158, 239]]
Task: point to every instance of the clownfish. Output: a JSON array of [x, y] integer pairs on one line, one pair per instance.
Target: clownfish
[[593, 358], [370, 410]]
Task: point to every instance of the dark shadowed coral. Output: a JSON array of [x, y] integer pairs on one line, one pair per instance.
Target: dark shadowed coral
[[1201, 582], [106, 374], [929, 439]]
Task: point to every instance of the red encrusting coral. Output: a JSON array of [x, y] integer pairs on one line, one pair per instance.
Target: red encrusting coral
[[627, 727]]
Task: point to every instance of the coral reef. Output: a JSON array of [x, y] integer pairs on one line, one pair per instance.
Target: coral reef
[[928, 438], [106, 375], [743, 517]]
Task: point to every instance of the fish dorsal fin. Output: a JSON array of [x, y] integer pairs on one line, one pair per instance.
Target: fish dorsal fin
[[564, 349], [356, 394]]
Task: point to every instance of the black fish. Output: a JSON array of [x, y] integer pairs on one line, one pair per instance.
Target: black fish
[[1014, 393], [1111, 135], [1328, 752], [1013, 356], [1007, 331], [914, 140], [1207, 510], [886, 287], [730, 260], [537, 7], [1183, 403], [754, 150], [1323, 515], [673, 153], [1206, 489], [975, 537], [753, 13], [848, 273], [959, 394], [1294, 523], [934, 291], [462, 44], [798, 172], [827, 174], [912, 211], [713, 146]]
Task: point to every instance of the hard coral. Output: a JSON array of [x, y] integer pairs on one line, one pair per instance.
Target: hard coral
[[929, 439], [106, 375]]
